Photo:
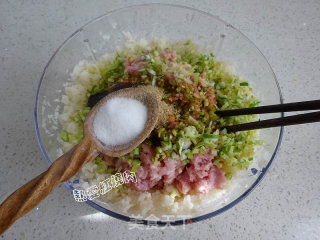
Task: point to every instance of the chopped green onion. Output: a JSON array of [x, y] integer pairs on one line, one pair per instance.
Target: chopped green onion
[[125, 75], [65, 136], [244, 84], [188, 42], [191, 132], [136, 163], [98, 161], [209, 136]]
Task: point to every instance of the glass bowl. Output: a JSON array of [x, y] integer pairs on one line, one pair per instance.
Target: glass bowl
[[152, 21]]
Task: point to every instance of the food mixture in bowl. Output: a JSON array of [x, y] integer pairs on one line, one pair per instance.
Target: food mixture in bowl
[[188, 160]]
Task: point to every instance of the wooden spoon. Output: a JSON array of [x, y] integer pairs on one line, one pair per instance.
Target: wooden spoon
[[32, 193]]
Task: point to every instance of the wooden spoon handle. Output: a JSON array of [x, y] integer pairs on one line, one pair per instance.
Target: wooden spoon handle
[[32, 193]]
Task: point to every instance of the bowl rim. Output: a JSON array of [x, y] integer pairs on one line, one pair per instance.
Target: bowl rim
[[144, 221]]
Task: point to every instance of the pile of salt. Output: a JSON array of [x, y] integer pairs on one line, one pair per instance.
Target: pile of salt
[[119, 121]]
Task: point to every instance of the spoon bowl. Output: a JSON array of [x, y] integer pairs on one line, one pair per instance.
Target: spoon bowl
[[137, 93]]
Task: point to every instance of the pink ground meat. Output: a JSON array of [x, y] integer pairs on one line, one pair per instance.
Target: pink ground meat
[[133, 66], [168, 55], [200, 174]]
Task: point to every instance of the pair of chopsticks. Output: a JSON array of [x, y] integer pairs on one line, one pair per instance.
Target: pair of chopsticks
[[276, 122]]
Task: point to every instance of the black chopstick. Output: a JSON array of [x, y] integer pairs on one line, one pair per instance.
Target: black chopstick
[[284, 121], [276, 122], [287, 107]]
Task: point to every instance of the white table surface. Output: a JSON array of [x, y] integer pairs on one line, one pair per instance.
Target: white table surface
[[286, 205]]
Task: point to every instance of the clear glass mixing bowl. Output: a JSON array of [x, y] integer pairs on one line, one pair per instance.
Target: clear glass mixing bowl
[[152, 21]]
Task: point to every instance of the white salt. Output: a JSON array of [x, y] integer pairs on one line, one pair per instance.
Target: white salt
[[119, 121]]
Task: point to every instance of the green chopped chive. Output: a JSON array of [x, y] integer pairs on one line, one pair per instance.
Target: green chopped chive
[[65, 136], [92, 90], [254, 104], [136, 163], [125, 75], [244, 84], [210, 136], [222, 96], [98, 161], [102, 167], [228, 175], [188, 42]]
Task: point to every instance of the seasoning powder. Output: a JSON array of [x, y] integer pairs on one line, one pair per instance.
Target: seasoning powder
[[119, 121]]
